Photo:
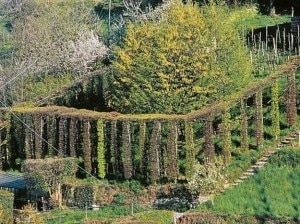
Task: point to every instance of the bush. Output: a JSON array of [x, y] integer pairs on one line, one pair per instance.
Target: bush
[[79, 195], [6, 207], [206, 180], [83, 196], [286, 157], [28, 214]]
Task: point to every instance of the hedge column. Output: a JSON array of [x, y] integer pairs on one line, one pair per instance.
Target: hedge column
[[127, 153], [101, 149], [275, 110], [172, 151], [226, 136], [154, 152], [291, 97], [244, 127], [143, 154], [38, 128], [190, 149], [209, 148], [87, 146], [259, 125]]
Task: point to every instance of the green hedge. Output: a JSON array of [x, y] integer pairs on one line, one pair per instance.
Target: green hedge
[[79, 195], [6, 207]]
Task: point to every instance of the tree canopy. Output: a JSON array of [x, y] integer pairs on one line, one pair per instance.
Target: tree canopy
[[178, 61]]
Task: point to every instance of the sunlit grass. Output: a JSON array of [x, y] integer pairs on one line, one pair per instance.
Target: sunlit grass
[[272, 192]]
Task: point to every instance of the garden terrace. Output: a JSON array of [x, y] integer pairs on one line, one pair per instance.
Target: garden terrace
[[153, 147]]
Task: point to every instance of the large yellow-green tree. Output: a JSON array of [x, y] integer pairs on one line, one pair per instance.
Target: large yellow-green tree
[[179, 60]]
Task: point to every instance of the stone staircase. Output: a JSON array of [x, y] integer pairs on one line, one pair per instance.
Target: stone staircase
[[287, 141]]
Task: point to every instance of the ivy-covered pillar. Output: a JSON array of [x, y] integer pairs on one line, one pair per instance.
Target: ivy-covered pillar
[[244, 127], [38, 142], [172, 151], [154, 152], [52, 135], [2, 140], [226, 137], [259, 125], [275, 110], [73, 137], [142, 140], [1, 151], [126, 148], [114, 152], [190, 149], [101, 149], [5, 138], [29, 140], [62, 137], [209, 147], [87, 146], [291, 97]]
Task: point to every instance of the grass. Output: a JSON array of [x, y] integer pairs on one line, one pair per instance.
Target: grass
[[273, 192], [71, 216], [110, 214], [260, 20]]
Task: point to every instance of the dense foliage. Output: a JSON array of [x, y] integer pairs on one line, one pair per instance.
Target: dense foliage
[[47, 175], [179, 61], [44, 41], [6, 207]]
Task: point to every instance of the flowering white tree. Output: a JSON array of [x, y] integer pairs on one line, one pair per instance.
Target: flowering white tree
[[85, 50], [59, 39]]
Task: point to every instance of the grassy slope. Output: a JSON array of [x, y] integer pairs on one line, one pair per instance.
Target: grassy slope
[[264, 20], [273, 192]]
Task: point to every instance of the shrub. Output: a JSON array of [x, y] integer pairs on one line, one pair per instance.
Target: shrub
[[83, 196], [285, 157], [206, 180], [29, 214], [6, 207]]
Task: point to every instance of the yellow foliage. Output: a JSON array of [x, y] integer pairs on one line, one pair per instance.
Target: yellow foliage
[[183, 58]]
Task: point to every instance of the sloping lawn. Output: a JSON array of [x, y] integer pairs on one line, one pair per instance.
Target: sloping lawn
[[273, 192]]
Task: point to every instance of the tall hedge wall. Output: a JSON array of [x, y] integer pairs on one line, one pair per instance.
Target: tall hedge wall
[[151, 147]]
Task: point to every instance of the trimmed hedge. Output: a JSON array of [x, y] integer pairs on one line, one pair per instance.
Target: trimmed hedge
[[80, 195], [6, 207]]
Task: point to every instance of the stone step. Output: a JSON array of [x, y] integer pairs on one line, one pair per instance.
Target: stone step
[[285, 142], [226, 186], [238, 181], [295, 135], [260, 163], [251, 170], [249, 173], [243, 177], [264, 158], [257, 166], [290, 138]]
